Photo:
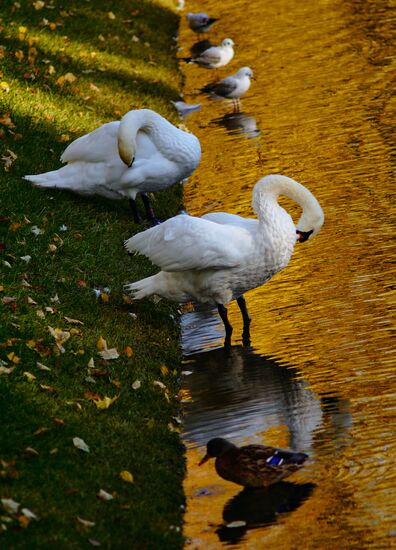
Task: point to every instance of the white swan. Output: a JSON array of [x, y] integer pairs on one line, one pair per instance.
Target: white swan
[[200, 22], [218, 257], [141, 153], [231, 87], [215, 56]]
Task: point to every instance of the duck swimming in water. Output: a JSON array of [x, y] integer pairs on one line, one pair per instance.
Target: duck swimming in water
[[252, 465]]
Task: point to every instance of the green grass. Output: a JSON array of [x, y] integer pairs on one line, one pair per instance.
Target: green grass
[[118, 63]]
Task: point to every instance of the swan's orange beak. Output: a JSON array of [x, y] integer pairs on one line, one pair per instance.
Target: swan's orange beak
[[205, 459]]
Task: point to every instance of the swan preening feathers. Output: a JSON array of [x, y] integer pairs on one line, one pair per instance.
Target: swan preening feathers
[[218, 257], [141, 153]]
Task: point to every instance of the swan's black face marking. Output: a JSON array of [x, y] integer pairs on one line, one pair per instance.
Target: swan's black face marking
[[132, 161], [303, 236]]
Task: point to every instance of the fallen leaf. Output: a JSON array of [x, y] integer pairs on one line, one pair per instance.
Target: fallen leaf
[[10, 506], [109, 354], [235, 524], [69, 77], [80, 444], [29, 376], [38, 5], [126, 476], [60, 336], [104, 495], [8, 300], [105, 402], [31, 301], [86, 523], [26, 258], [41, 366], [50, 389], [30, 452], [73, 321], [6, 370], [29, 514], [136, 385], [14, 358], [159, 384], [41, 431], [91, 363], [110, 15], [128, 351], [94, 542], [101, 344], [164, 370]]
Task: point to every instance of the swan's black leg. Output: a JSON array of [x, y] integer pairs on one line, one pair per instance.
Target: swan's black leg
[[228, 328], [246, 320], [149, 210], [136, 215]]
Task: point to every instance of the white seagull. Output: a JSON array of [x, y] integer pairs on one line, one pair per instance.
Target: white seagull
[[141, 153], [231, 87], [218, 257], [200, 22], [215, 56]]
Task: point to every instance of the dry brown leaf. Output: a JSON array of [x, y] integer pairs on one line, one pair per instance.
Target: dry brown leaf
[[73, 321]]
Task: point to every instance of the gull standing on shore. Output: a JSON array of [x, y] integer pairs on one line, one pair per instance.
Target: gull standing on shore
[[200, 22], [231, 87], [215, 56]]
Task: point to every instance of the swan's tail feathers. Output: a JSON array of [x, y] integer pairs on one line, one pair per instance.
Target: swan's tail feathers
[[141, 289], [48, 179]]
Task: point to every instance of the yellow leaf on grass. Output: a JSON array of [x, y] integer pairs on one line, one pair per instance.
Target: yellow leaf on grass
[[164, 370], [29, 376], [105, 402], [4, 86], [13, 357], [126, 476], [69, 77], [110, 15], [101, 344]]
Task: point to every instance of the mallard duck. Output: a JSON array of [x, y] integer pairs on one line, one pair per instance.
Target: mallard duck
[[141, 153], [252, 465], [217, 258]]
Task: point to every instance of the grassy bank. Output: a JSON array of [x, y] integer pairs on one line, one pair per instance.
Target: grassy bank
[[65, 69]]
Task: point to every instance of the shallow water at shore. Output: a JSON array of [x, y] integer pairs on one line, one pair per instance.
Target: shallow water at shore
[[319, 374]]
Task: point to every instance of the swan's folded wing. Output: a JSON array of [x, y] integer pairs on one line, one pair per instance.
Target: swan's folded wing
[[224, 218], [185, 242], [100, 145]]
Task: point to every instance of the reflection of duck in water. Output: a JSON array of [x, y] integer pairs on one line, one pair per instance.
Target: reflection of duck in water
[[260, 507], [239, 123], [252, 465]]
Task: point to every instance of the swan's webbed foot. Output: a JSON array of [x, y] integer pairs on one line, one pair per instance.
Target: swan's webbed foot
[[136, 216], [246, 320], [227, 325], [149, 211]]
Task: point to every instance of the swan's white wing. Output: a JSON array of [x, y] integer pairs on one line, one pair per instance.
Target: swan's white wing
[[185, 242], [97, 146], [224, 218]]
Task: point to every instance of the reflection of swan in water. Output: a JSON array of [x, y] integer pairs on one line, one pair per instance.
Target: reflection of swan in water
[[239, 123], [260, 507], [237, 393]]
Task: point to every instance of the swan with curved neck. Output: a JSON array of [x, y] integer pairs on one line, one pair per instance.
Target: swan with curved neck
[[218, 257], [142, 153]]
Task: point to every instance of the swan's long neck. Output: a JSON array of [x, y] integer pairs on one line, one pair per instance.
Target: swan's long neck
[[268, 190], [142, 119]]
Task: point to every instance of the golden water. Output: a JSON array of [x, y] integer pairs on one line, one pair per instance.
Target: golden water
[[320, 111]]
